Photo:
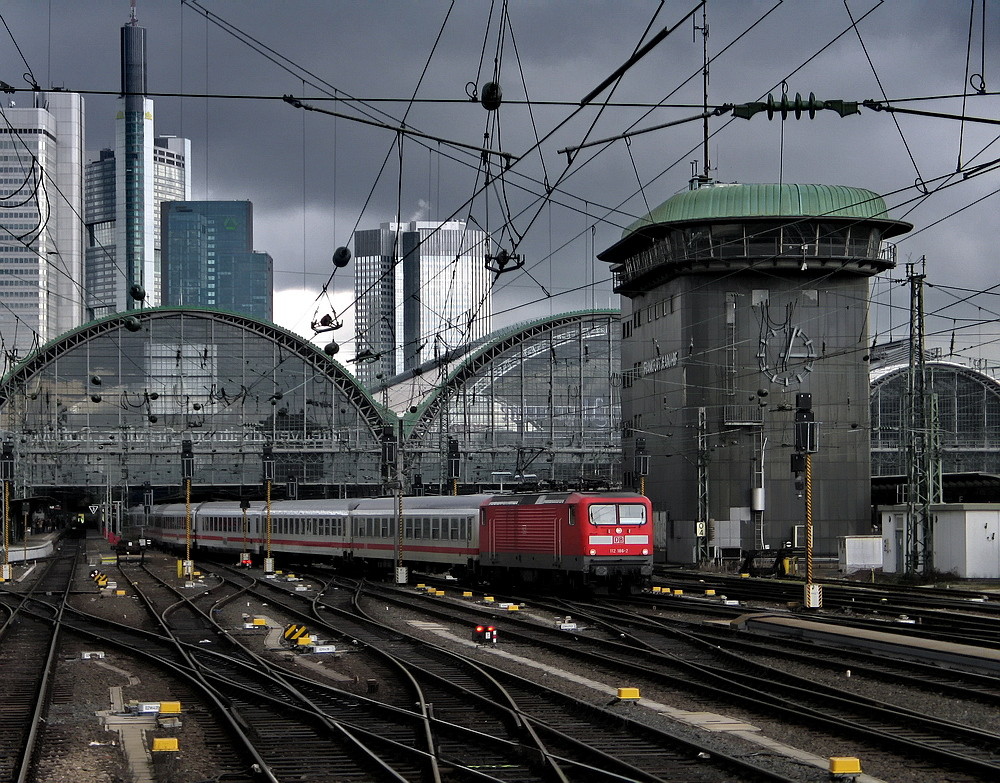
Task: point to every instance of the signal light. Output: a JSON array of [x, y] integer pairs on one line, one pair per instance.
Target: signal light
[[486, 634]]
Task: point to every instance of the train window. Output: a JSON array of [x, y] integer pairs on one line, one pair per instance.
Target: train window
[[632, 514], [620, 514], [387, 527], [571, 516], [408, 528], [603, 514], [436, 528]]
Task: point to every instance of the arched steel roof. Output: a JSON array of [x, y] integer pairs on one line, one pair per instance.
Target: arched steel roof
[[434, 393], [887, 374], [346, 383]]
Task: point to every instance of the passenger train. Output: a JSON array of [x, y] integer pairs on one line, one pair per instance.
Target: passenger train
[[599, 540]]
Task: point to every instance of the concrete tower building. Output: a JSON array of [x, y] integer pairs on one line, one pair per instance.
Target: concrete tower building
[[422, 289], [41, 238], [124, 189], [739, 297]]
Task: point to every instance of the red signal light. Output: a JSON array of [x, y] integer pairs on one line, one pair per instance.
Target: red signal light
[[480, 629]]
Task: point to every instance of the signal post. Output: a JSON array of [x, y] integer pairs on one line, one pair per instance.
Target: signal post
[[806, 444]]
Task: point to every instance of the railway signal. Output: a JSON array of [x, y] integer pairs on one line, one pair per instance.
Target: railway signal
[[187, 474], [267, 457], [641, 463], [7, 477], [454, 464], [806, 444], [485, 634]]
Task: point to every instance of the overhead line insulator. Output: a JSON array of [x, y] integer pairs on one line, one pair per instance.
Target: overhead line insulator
[[798, 107]]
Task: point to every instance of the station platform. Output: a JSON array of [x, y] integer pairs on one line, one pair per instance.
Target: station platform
[[894, 645], [32, 547]]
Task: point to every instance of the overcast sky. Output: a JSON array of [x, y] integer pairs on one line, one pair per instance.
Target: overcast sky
[[313, 178]]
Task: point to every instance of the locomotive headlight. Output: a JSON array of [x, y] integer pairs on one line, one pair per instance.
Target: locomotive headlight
[[645, 551], [618, 530], [593, 551]]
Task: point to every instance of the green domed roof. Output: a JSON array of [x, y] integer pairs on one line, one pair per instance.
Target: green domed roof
[[740, 201]]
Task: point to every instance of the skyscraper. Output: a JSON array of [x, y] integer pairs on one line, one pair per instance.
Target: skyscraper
[[41, 237], [124, 190], [209, 260], [421, 289]]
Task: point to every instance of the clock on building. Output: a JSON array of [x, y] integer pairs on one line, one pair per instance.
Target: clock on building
[[786, 354]]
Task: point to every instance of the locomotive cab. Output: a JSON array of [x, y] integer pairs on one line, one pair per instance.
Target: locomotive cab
[[596, 540]]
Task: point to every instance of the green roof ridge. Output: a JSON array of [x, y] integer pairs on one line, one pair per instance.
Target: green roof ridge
[[738, 200]]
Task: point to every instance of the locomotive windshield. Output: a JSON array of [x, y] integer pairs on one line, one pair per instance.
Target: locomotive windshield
[[617, 514]]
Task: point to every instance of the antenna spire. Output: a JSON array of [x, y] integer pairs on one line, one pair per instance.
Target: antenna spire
[[133, 20], [707, 168]]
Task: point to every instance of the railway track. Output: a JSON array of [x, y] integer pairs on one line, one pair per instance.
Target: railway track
[[614, 746], [694, 666], [447, 714], [29, 644], [274, 707], [952, 681], [968, 617]]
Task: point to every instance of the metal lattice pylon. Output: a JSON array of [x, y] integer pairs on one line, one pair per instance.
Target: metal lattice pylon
[[920, 441]]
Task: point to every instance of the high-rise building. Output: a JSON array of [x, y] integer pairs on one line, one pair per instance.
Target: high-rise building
[[124, 190], [41, 236], [421, 289], [208, 258]]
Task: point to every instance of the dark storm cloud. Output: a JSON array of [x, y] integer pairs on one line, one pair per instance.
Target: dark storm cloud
[[310, 176]]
